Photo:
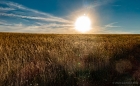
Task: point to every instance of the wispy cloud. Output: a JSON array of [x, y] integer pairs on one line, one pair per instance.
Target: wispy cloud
[[6, 9], [39, 21], [111, 25], [51, 28], [4, 24], [106, 29], [22, 8], [116, 5], [35, 18]]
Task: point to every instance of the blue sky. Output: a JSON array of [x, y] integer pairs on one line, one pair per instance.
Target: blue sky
[[59, 16]]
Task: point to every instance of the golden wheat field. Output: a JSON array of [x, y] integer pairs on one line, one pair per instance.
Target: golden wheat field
[[69, 60]]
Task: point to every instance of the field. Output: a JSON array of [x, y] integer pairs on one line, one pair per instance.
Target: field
[[69, 60]]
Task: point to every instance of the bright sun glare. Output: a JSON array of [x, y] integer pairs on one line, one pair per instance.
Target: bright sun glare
[[83, 24]]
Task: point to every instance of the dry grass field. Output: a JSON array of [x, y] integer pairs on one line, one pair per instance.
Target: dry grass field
[[69, 60]]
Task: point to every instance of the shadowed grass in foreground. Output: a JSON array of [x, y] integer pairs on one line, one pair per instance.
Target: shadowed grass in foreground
[[69, 60]]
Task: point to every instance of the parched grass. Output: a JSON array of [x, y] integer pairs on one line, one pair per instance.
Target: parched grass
[[68, 60]]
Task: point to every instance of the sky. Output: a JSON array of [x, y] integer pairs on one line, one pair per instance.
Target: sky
[[59, 16]]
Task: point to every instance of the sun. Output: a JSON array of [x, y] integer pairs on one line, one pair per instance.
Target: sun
[[83, 24]]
